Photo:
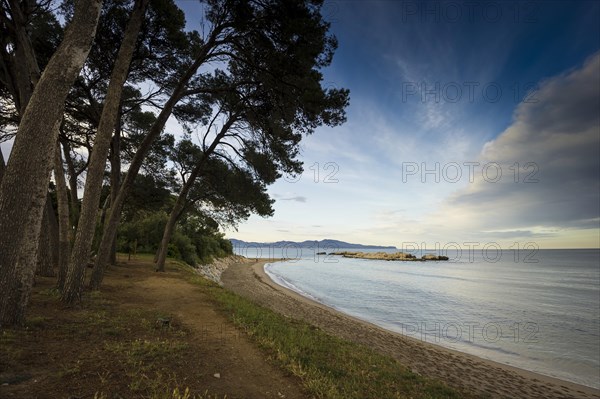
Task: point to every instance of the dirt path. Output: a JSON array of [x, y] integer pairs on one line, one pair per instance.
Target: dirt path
[[456, 369], [242, 369]]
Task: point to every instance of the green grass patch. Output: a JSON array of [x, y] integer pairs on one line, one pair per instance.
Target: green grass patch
[[51, 293], [144, 350], [329, 367]]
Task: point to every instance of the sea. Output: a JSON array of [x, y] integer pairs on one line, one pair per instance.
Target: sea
[[537, 310]]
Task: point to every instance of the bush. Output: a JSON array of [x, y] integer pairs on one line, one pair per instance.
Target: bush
[[185, 248], [192, 242]]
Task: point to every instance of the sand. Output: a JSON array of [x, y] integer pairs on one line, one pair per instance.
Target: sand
[[459, 370]]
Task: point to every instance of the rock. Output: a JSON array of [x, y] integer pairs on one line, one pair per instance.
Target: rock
[[397, 256], [401, 256], [163, 322], [217, 375], [434, 257], [321, 253]]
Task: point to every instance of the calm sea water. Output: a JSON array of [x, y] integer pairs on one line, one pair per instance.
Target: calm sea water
[[536, 310]]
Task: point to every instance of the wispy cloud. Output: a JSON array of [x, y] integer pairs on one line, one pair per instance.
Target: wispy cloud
[[298, 198]]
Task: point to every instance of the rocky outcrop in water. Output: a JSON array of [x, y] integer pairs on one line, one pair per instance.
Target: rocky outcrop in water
[[399, 256], [434, 257]]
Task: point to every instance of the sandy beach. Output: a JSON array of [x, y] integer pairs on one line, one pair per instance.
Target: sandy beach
[[459, 370]]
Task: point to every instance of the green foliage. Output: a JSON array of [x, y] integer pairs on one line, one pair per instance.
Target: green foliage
[[148, 195], [143, 234], [225, 192], [213, 246], [253, 110], [196, 238], [45, 34], [182, 247]]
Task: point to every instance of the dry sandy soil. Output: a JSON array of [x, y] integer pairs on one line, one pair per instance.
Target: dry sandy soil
[[457, 369]]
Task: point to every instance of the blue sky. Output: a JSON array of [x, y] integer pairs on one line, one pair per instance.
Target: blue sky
[[452, 84], [444, 95]]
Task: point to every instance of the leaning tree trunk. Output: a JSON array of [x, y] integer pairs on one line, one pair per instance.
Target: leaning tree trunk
[[2, 166], [74, 200], [181, 199], [53, 230], [112, 223], [168, 233], [47, 255], [25, 183], [64, 225], [174, 216], [24, 75], [115, 178], [80, 253], [176, 213]]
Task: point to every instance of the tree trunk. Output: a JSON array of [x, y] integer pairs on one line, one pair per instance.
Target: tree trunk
[[2, 165], [167, 234], [53, 231], [176, 212], [74, 207], [181, 199], [45, 256], [64, 225], [25, 184], [111, 225], [24, 75], [115, 179], [80, 253]]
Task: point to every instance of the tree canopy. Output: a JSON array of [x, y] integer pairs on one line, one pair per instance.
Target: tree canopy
[[245, 89]]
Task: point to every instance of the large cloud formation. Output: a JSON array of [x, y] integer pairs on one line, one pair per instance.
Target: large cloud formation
[[555, 138]]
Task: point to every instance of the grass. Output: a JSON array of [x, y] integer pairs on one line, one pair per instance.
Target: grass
[[328, 366]]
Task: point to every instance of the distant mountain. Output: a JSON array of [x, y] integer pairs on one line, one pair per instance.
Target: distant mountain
[[327, 244]]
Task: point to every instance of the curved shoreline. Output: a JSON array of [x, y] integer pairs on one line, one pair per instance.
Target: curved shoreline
[[457, 369], [416, 334]]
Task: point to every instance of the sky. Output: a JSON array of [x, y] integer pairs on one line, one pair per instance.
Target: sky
[[469, 122]]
